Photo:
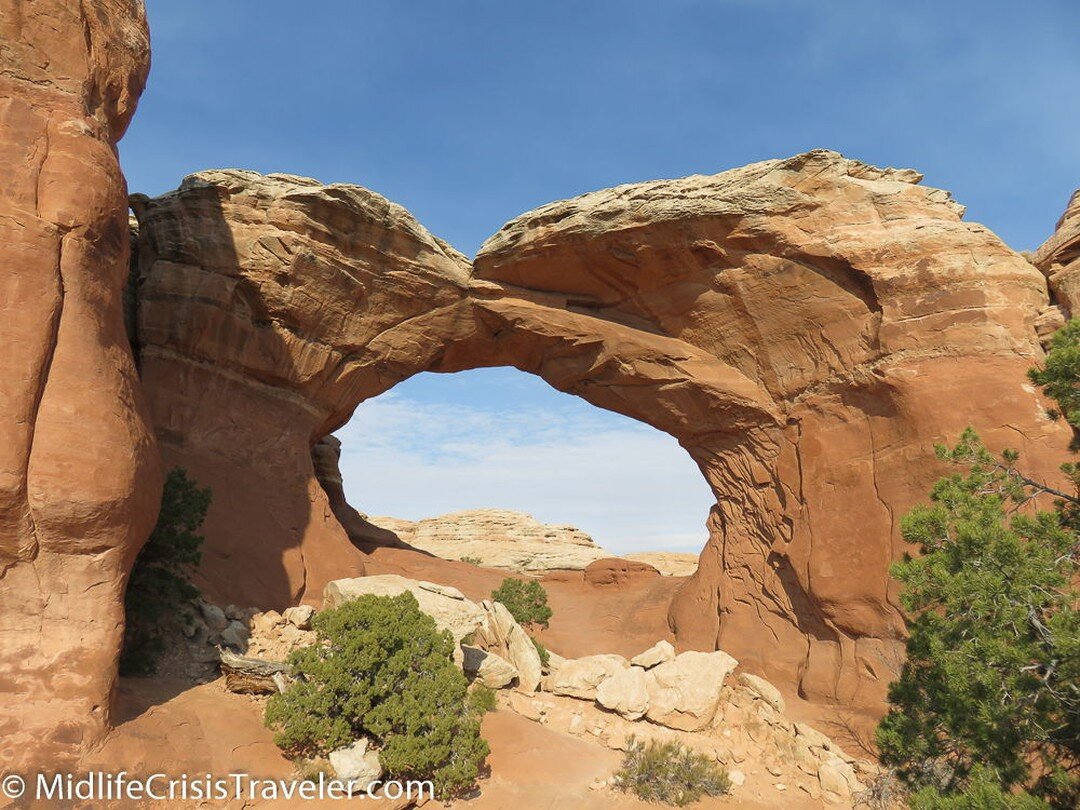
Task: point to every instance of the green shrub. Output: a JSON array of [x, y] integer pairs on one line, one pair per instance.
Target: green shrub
[[159, 587], [380, 668], [983, 791], [542, 651], [669, 773], [471, 560], [526, 600], [987, 699], [481, 699]]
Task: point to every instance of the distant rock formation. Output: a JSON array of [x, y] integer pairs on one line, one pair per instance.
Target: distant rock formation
[[668, 563], [498, 538], [79, 473]]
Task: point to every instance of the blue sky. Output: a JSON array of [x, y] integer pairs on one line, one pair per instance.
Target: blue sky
[[470, 112]]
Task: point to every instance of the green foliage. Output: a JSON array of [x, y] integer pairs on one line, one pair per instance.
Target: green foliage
[[481, 699], [471, 560], [542, 651], [669, 773], [526, 600], [1060, 373], [159, 587], [992, 676], [982, 792], [380, 668]]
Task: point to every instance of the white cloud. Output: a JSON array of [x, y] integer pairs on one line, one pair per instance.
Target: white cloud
[[630, 486]]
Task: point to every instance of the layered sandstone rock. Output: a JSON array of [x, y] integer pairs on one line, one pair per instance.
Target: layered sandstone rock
[[79, 475], [1059, 259], [498, 538], [806, 328], [267, 307]]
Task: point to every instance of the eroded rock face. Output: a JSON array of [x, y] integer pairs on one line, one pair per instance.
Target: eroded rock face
[[79, 474], [806, 328], [1059, 258], [498, 538], [267, 308]]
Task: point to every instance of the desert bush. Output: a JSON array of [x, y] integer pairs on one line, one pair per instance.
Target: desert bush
[[159, 588], [669, 773], [380, 668], [471, 560], [542, 651], [526, 600], [481, 699], [982, 791]]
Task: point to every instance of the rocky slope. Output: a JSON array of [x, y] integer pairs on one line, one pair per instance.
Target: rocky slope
[[79, 474], [498, 538]]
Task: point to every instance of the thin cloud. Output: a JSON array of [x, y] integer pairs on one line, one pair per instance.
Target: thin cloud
[[630, 486]]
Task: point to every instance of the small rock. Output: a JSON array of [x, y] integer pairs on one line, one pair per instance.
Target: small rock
[[356, 763], [264, 623], [299, 616], [780, 786], [214, 617], [764, 690], [487, 667], [234, 613], [737, 777], [235, 635], [660, 652]]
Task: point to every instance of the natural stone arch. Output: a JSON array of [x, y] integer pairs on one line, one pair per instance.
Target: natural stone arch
[[805, 328]]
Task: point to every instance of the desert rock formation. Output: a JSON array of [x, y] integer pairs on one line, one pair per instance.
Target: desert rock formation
[[1059, 258], [498, 538], [79, 474], [806, 328], [668, 563]]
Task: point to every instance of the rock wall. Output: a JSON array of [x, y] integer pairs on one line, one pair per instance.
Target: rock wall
[[79, 473], [806, 328], [1059, 258]]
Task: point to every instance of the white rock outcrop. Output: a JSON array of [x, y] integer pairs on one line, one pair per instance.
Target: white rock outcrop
[[580, 677], [498, 538], [684, 692], [657, 654], [626, 692]]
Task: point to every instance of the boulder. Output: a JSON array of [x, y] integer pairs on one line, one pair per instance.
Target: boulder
[[660, 652], [487, 667], [579, 677], [625, 692], [357, 763], [447, 606], [235, 635], [300, 616], [764, 690], [684, 692], [501, 634], [617, 570], [214, 617]]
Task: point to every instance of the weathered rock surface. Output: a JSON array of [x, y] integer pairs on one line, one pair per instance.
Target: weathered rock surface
[[79, 475], [626, 692], [357, 763], [668, 563], [579, 677], [487, 667], [806, 328], [1059, 259], [617, 571], [684, 692], [501, 634], [498, 538], [447, 606], [659, 653]]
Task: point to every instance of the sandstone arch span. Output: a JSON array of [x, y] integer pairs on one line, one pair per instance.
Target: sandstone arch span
[[805, 328]]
